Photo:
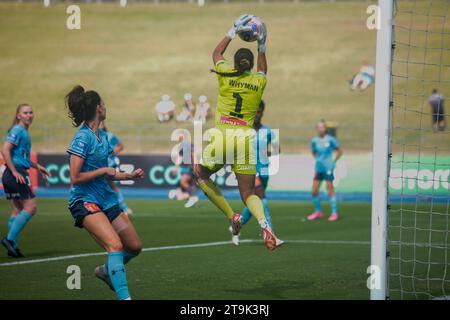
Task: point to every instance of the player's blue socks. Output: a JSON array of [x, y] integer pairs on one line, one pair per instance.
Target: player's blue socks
[[121, 199], [316, 203], [117, 274], [11, 221], [127, 256], [333, 204], [18, 225], [246, 215], [266, 212]]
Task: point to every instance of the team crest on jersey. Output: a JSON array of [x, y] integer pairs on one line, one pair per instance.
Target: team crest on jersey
[[92, 207]]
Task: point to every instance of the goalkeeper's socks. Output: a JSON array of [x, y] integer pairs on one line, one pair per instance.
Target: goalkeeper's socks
[[18, 225], [266, 212], [215, 196], [117, 275], [255, 205], [333, 204], [245, 216], [316, 203]]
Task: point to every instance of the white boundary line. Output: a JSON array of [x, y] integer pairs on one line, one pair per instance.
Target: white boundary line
[[175, 247]]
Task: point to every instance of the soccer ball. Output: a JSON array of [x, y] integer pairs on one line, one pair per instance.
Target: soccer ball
[[252, 30]]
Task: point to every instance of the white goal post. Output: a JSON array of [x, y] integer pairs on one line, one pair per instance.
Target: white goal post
[[381, 149]]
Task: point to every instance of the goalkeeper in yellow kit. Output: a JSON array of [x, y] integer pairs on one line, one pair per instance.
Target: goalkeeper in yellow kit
[[240, 93]]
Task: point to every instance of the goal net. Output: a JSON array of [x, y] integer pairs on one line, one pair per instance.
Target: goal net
[[418, 262]]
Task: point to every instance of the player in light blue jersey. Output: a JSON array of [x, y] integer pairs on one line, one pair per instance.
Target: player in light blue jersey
[[324, 147], [16, 181], [113, 162], [93, 204], [263, 147]]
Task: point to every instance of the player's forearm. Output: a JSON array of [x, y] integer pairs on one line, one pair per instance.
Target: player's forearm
[[122, 176], [83, 177], [262, 63], [118, 149], [338, 155], [220, 49]]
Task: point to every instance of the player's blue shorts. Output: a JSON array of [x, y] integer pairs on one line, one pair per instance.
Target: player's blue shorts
[[327, 176], [13, 189], [81, 209]]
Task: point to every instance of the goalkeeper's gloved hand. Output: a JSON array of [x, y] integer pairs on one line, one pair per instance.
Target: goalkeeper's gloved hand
[[262, 39], [240, 21]]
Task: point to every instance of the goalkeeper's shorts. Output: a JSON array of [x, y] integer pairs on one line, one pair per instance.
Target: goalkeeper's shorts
[[234, 147]]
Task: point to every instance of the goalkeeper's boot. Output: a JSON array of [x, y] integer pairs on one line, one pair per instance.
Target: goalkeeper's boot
[[102, 274], [270, 241], [234, 238], [12, 250], [279, 242], [314, 216], [333, 217], [236, 224]]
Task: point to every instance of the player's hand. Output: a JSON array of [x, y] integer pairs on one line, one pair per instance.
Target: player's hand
[[43, 172], [238, 24], [137, 174], [262, 39], [110, 173], [19, 178]]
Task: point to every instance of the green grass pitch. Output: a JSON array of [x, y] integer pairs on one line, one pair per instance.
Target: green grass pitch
[[311, 269]]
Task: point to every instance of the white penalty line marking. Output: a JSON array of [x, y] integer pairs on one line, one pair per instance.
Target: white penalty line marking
[[186, 246]]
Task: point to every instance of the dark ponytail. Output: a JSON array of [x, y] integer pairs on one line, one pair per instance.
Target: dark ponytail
[[82, 105], [243, 61]]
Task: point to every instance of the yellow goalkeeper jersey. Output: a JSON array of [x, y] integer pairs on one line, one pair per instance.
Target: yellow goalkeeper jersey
[[239, 97]]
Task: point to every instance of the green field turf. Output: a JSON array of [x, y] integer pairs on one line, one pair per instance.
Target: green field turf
[[296, 271]]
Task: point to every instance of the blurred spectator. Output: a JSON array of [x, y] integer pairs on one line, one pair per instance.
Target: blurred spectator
[[436, 101], [202, 111], [364, 78], [165, 109], [188, 109]]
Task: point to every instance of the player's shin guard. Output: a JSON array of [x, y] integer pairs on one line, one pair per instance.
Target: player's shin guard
[[18, 225], [11, 221], [245, 216], [267, 213], [255, 205], [316, 203], [333, 204], [127, 256], [117, 275], [215, 196]]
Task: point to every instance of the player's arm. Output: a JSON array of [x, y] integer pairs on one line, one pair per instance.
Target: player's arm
[[41, 169], [136, 174], [338, 154], [220, 49], [6, 152], [78, 177], [118, 148], [262, 61]]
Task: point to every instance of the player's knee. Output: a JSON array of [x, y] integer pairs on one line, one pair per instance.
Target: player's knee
[[114, 246], [135, 248], [31, 209], [315, 193]]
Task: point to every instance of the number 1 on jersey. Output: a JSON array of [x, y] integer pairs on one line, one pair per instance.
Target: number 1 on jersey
[[237, 110]]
